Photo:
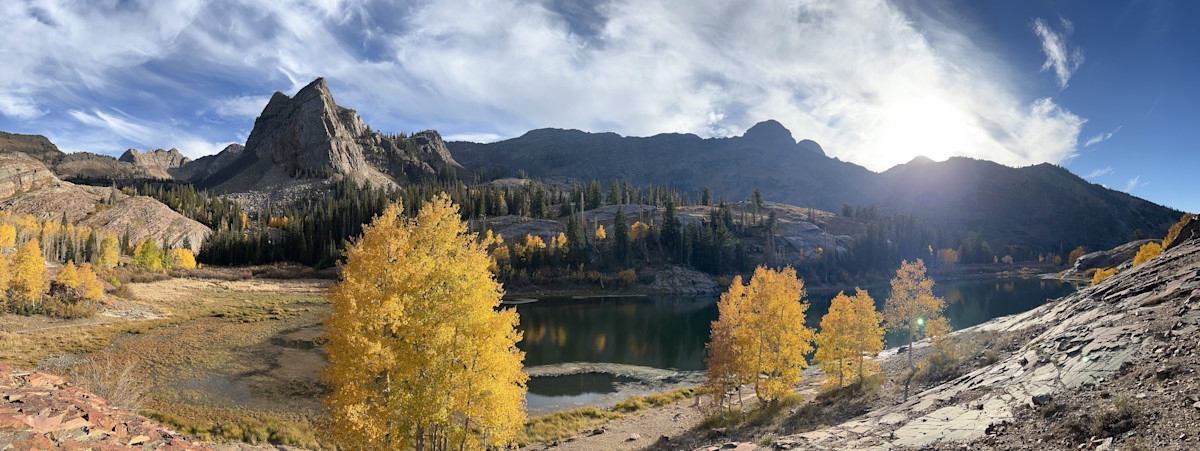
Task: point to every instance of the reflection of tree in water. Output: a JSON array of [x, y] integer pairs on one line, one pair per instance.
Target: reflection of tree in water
[[660, 332]]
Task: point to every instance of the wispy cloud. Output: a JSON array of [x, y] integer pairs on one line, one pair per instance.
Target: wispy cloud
[[1099, 172], [1133, 183], [1060, 56], [145, 136], [1102, 137], [485, 70]]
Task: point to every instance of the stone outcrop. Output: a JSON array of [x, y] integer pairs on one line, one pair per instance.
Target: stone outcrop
[[1085, 340], [157, 163], [42, 411], [20, 173], [1111, 258], [310, 137], [90, 167]]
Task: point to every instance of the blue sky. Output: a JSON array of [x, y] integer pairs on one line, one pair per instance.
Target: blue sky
[[1107, 89]]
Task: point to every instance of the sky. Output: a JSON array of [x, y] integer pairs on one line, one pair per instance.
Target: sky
[[1106, 89]]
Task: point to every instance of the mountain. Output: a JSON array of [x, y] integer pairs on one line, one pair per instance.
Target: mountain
[[766, 157], [309, 138], [157, 162], [1042, 206], [36, 146]]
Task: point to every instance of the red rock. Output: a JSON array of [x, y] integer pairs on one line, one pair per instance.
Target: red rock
[[43, 423]]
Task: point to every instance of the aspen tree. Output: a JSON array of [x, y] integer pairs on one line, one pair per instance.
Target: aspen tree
[[420, 356]]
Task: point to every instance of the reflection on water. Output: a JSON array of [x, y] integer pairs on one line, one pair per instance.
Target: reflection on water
[[571, 389], [670, 331], [655, 331]]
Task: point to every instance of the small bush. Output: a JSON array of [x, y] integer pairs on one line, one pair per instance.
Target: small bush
[[114, 380], [627, 277], [1147, 252], [1103, 274]]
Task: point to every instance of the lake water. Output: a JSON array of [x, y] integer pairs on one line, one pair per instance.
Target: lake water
[[669, 332]]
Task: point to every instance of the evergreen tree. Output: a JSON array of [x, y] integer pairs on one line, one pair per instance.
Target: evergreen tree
[[620, 238]]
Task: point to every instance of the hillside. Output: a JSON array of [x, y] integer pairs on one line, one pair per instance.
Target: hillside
[[26, 186], [36, 146], [1040, 208]]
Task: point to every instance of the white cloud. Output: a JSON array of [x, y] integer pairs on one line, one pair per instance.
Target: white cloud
[[1102, 137], [1133, 183], [871, 83], [1060, 56], [147, 136], [1099, 172], [242, 106]]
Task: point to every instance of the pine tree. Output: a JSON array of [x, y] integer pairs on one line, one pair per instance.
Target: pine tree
[[419, 355], [620, 237]]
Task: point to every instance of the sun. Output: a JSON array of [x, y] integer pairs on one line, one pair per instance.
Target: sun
[[926, 126]]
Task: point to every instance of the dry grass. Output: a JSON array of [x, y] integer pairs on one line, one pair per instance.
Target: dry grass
[[557, 426], [636, 403], [115, 380]]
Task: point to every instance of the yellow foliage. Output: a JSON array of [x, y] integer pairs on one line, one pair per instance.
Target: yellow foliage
[[1171, 234], [8, 235], [147, 255], [533, 243], [850, 332], [1103, 274], [947, 257], [418, 352], [627, 276], [5, 276], [109, 252], [92, 287], [182, 258], [912, 309], [68, 276], [760, 336], [28, 280], [600, 233], [1146, 252], [638, 230]]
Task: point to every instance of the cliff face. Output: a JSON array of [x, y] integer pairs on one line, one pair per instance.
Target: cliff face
[[21, 173], [157, 162], [309, 137]]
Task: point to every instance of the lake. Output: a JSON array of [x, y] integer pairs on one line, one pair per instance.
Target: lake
[[616, 336]]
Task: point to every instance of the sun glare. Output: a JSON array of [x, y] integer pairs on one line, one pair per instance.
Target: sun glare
[[925, 126]]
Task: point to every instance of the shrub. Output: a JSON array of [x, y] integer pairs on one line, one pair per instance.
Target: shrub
[[1147, 252], [627, 277], [114, 380], [1103, 274]]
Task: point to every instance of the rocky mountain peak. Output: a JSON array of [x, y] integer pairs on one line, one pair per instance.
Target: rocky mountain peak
[[769, 133], [309, 136]]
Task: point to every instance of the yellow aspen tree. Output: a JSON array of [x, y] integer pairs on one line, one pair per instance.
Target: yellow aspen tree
[[5, 276], [68, 276], [420, 356], [8, 236], [770, 339], [182, 258], [912, 306], [725, 361], [28, 280], [109, 252], [1102, 274], [834, 342], [92, 287], [1147, 252], [600, 233]]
